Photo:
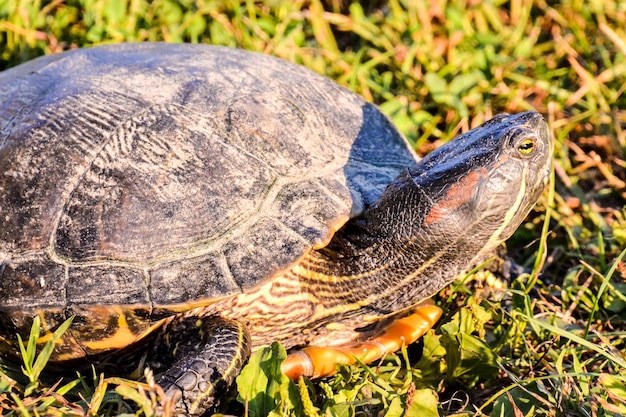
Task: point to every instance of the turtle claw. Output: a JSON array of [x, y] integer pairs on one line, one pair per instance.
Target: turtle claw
[[200, 376], [317, 362]]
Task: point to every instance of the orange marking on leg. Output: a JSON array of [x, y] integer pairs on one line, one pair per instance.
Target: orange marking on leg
[[316, 362]]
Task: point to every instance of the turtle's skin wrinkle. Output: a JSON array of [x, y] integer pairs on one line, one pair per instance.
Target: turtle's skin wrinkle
[[188, 204]]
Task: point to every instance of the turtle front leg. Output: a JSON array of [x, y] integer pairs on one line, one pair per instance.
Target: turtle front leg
[[317, 362], [202, 357]]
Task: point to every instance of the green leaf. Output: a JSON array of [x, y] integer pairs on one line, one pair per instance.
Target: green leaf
[[196, 26], [5, 383], [435, 84], [519, 399], [262, 385], [616, 386], [470, 357], [395, 408], [615, 299], [115, 10], [460, 85], [467, 356], [430, 368], [425, 403]]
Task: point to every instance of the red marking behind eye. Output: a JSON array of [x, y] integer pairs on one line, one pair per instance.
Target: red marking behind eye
[[457, 195]]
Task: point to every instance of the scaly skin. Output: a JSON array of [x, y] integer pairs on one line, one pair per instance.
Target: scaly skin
[[202, 360]]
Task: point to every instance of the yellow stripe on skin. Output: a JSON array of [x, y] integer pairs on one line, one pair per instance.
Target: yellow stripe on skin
[[66, 347], [122, 336], [494, 239], [309, 294], [47, 336], [304, 267]]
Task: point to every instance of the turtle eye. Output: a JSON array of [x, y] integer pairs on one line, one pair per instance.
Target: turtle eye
[[526, 146]]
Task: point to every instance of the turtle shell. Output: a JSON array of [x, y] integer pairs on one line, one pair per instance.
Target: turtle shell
[[138, 180]]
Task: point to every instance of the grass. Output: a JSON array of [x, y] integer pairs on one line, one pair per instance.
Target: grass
[[549, 343]]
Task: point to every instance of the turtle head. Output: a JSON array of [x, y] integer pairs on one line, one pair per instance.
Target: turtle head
[[471, 194], [444, 215], [488, 179]]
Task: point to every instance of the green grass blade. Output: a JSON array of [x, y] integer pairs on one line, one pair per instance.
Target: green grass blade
[[605, 283], [576, 339], [29, 352], [46, 352]]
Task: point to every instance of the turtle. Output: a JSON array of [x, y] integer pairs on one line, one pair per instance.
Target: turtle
[[188, 204]]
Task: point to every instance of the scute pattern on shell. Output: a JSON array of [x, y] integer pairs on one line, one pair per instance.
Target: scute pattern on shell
[[175, 173]]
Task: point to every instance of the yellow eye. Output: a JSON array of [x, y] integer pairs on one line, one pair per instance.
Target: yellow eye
[[526, 146]]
